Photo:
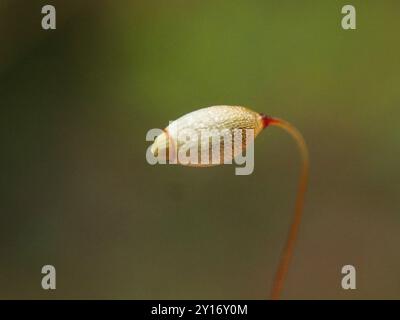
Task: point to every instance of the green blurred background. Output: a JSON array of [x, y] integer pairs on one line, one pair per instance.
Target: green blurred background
[[77, 192]]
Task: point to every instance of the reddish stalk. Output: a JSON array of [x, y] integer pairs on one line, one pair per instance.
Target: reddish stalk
[[299, 204]]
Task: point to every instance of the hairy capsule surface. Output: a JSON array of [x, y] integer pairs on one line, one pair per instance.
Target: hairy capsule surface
[[218, 128]]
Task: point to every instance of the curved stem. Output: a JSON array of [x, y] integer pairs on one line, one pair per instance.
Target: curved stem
[[298, 211]]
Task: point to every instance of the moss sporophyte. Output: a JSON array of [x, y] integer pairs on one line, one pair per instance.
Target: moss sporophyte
[[219, 135]]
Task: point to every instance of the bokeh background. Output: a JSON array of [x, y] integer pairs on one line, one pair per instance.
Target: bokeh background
[[77, 192]]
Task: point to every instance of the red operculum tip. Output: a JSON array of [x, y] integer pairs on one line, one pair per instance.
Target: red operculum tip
[[266, 120]]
